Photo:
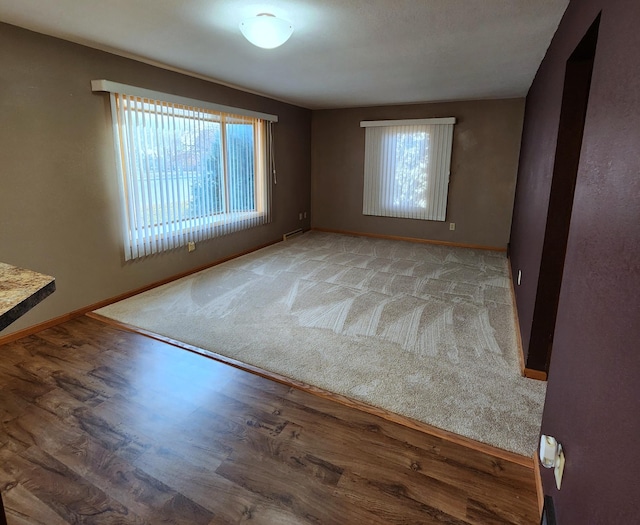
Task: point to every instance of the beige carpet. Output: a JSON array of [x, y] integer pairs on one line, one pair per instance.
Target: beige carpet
[[422, 330]]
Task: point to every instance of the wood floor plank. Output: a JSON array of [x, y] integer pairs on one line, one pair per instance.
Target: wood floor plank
[[23, 384], [66, 493], [100, 425], [12, 406], [487, 513], [139, 424], [306, 496], [23, 508], [389, 504], [195, 475], [103, 468]]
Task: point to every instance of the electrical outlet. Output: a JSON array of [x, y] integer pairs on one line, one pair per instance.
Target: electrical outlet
[[191, 246], [452, 226]]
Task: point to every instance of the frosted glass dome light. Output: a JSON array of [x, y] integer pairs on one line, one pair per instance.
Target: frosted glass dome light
[[266, 30]]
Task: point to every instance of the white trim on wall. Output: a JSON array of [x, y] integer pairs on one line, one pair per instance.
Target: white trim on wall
[[407, 122], [134, 91]]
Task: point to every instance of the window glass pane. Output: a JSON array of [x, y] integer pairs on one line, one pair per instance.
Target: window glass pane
[[240, 166], [207, 186], [411, 173]]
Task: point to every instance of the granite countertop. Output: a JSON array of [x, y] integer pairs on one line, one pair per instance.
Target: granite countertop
[[21, 290]]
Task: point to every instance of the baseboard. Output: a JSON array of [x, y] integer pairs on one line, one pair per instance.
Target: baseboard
[[538, 481], [535, 374], [526, 372], [14, 336], [516, 319], [412, 239]]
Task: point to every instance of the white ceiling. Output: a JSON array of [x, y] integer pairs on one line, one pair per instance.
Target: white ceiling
[[342, 53]]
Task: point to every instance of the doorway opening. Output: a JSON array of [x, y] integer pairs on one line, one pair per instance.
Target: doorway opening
[[575, 98]]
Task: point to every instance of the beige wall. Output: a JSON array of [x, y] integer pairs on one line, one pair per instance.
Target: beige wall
[[484, 164], [59, 210]]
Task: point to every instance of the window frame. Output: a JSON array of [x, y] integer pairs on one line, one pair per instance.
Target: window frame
[[142, 236]]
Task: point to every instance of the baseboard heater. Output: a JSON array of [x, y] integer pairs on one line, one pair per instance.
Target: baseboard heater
[[292, 234]]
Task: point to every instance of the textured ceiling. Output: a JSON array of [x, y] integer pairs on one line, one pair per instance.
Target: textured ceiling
[[342, 52]]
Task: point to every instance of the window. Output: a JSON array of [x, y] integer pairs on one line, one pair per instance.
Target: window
[[406, 169], [187, 172]]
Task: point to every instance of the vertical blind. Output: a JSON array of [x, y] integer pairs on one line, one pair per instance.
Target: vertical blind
[[407, 165], [187, 173]]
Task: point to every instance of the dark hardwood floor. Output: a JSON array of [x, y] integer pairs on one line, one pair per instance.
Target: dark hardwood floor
[[100, 425]]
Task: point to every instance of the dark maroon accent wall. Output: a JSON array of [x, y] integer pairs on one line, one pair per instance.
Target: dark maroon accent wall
[[575, 96], [593, 396]]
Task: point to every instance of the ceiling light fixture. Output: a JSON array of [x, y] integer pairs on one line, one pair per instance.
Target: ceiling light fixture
[[266, 30]]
